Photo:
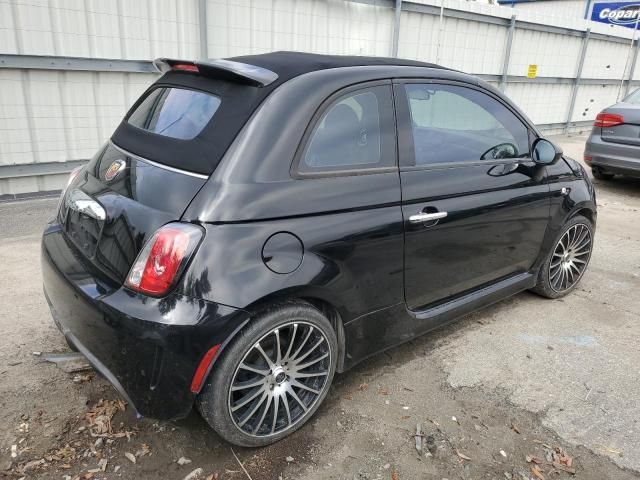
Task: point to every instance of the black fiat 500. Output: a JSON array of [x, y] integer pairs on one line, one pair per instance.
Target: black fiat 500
[[256, 224]]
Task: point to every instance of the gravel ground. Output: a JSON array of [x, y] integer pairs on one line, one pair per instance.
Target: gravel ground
[[526, 377]]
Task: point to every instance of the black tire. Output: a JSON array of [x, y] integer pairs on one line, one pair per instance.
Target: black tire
[[216, 399], [600, 175], [544, 285]]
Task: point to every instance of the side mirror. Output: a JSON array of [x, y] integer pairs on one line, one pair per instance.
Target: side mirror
[[545, 152]]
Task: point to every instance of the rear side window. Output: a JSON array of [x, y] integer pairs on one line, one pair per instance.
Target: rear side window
[[175, 112], [634, 97], [356, 132], [459, 124]]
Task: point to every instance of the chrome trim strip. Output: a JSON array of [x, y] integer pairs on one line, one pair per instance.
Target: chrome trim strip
[[156, 164]]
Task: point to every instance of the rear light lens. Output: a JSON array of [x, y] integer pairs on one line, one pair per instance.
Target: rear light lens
[[163, 258], [72, 176], [203, 369], [605, 120], [185, 67], [588, 159]]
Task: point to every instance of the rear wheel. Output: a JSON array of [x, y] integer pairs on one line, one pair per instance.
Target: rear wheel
[[600, 175], [273, 377], [568, 260]]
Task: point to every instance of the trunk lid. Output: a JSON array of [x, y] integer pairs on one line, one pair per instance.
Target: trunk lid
[[627, 133], [117, 202], [159, 158]]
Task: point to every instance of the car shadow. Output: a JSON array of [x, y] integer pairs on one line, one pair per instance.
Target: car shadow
[[620, 185]]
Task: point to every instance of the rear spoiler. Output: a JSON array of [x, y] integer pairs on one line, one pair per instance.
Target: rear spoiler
[[234, 71]]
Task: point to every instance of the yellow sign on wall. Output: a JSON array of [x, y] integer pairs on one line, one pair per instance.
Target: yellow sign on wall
[[532, 72]]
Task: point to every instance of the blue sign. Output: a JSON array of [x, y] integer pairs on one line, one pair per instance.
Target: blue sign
[[626, 14]]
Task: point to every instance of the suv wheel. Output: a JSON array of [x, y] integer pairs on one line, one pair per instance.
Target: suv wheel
[[273, 376], [600, 175], [566, 263]]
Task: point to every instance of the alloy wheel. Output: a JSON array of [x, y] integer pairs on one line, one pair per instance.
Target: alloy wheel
[[570, 257], [280, 379]]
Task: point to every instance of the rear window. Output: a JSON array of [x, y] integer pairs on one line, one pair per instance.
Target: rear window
[[634, 97], [175, 112]]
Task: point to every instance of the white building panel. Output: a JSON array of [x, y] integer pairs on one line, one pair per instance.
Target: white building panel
[[592, 99], [555, 55], [319, 26], [55, 116], [50, 116], [69, 28], [47, 116], [130, 29], [103, 24], [33, 29], [79, 112], [472, 46], [464, 45], [7, 29], [558, 8], [418, 36], [606, 59], [15, 132], [464, 5], [542, 102], [40, 183]]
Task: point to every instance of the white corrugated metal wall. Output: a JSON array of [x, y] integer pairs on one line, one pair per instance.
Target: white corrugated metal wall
[[49, 116], [319, 26], [558, 8]]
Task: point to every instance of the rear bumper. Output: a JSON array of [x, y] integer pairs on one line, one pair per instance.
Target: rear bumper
[[147, 348], [613, 157]]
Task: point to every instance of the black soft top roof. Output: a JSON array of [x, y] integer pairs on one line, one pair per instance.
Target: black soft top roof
[[292, 64], [239, 100]]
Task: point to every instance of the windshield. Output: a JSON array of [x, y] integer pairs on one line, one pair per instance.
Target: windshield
[[175, 112]]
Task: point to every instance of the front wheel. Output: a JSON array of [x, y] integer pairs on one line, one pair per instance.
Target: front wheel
[[568, 260], [273, 377]]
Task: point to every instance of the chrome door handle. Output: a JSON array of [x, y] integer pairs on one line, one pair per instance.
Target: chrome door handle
[[427, 217]]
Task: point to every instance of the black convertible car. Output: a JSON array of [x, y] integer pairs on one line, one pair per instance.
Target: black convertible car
[[256, 224]]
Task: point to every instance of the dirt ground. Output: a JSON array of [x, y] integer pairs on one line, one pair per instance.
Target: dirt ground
[[528, 380]]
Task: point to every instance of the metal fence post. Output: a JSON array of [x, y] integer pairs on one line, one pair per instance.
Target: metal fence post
[[396, 29], [202, 28], [633, 67], [576, 85], [507, 53]]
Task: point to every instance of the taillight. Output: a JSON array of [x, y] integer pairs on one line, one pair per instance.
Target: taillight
[[163, 258], [605, 120], [588, 159], [72, 176], [74, 173], [185, 67]]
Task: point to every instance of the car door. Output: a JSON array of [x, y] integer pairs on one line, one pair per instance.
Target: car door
[[475, 206]]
